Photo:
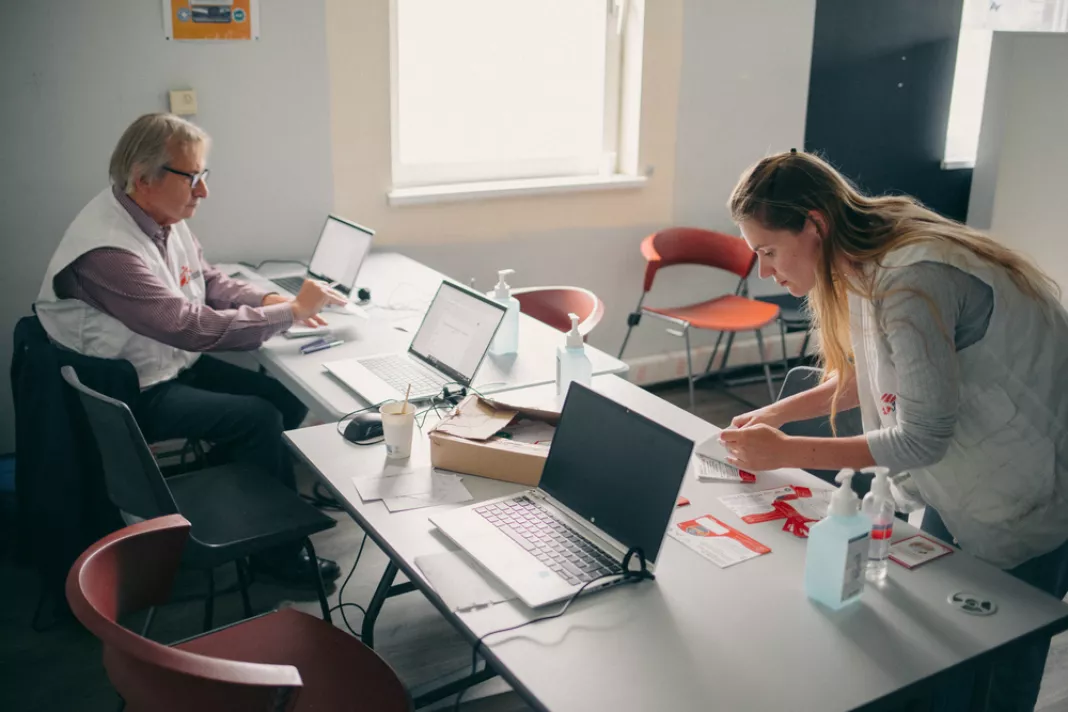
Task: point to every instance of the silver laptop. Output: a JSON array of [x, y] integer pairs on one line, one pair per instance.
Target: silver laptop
[[610, 483], [338, 255], [448, 348]]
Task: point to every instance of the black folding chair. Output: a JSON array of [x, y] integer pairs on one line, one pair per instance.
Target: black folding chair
[[235, 509]]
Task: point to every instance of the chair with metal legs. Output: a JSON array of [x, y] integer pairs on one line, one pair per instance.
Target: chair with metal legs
[[728, 314], [235, 510]]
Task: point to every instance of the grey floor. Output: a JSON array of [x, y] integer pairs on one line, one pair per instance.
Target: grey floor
[[60, 669]]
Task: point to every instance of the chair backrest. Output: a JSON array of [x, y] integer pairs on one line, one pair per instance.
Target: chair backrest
[[848, 423], [132, 569], [695, 246], [551, 305], [134, 482]]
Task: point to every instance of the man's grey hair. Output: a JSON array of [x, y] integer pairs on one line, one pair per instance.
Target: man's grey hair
[[145, 146]]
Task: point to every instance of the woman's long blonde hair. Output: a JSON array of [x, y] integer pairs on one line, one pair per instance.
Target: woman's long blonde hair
[[782, 191]]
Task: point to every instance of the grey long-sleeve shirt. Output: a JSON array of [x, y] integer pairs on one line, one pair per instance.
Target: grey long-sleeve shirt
[[925, 359]]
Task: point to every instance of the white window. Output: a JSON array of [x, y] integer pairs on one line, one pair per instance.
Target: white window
[[979, 20], [497, 90]]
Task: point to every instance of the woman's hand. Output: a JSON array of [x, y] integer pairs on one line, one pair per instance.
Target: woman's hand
[[768, 415], [757, 447]]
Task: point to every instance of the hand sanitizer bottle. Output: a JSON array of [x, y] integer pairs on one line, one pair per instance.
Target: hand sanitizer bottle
[[838, 549], [507, 339], [572, 364], [878, 506]]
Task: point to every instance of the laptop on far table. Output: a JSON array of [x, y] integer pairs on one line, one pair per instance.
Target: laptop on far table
[[448, 347], [338, 255]]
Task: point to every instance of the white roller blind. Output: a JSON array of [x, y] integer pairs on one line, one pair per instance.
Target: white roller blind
[[494, 89]]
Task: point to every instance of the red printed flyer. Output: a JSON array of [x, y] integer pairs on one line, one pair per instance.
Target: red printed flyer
[[722, 545]]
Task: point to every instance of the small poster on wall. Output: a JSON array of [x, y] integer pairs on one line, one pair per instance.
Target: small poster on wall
[[211, 19]]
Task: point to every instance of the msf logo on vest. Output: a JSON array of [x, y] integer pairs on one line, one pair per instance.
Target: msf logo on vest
[[186, 275], [889, 403]]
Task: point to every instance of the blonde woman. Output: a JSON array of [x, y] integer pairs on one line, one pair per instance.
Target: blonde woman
[[954, 347]]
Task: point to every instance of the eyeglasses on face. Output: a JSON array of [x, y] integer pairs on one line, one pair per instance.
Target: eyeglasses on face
[[195, 179]]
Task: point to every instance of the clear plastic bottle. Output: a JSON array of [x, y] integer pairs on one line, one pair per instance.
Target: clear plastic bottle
[[572, 363], [879, 507], [837, 549], [506, 341]]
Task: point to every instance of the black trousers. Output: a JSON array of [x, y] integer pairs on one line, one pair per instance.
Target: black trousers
[[242, 413]]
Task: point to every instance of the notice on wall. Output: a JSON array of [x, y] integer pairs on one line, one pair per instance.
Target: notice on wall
[[211, 19]]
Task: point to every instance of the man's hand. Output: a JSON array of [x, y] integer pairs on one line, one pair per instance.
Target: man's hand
[[275, 298], [313, 296], [757, 447]]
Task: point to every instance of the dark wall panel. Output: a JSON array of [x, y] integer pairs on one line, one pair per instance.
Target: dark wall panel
[[878, 103]]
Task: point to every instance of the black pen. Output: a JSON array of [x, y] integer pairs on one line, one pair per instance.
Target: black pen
[[312, 348]]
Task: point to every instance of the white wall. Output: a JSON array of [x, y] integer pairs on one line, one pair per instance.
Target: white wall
[[725, 82], [74, 74], [1021, 172]]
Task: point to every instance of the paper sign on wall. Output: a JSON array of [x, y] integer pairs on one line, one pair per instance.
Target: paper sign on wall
[[211, 19]]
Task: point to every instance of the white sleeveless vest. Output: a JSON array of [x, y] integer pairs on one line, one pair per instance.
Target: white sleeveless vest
[[1002, 487], [104, 222]]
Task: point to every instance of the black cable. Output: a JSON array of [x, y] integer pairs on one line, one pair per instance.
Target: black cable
[[626, 576], [348, 415], [341, 591], [322, 499]]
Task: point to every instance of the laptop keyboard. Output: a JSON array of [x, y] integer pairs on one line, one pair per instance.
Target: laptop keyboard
[[569, 554], [290, 284], [398, 371]]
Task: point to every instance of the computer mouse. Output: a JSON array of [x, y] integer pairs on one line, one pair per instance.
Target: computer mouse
[[364, 428]]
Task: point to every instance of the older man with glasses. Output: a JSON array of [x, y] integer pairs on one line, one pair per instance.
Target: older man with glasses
[[129, 281]]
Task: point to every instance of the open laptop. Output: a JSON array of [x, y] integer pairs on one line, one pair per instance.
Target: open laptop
[[338, 254], [449, 347], [610, 483]]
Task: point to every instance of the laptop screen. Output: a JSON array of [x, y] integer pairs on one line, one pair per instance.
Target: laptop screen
[[340, 251], [616, 468], [457, 331]]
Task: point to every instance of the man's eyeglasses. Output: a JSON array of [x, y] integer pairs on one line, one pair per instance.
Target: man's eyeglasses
[[195, 179]]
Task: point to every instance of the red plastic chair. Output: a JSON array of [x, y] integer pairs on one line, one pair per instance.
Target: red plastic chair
[[284, 660], [552, 305], [727, 314]]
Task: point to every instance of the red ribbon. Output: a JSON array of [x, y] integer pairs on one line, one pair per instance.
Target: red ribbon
[[795, 523]]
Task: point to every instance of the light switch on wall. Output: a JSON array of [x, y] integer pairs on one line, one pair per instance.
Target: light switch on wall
[[184, 102]]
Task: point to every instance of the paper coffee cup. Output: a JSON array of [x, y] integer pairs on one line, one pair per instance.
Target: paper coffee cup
[[398, 421]]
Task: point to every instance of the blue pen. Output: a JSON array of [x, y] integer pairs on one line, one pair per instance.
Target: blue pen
[[312, 348]]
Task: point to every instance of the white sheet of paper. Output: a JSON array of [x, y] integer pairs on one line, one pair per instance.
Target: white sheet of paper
[[749, 503], [393, 482], [708, 468], [445, 489], [461, 582], [814, 507]]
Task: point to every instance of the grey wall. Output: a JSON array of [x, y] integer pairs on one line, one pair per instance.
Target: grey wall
[[73, 74], [745, 69]]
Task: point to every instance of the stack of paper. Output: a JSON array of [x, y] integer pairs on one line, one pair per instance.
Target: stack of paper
[[412, 489]]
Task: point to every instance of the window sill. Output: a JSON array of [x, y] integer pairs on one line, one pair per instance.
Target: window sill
[[957, 165], [510, 188]]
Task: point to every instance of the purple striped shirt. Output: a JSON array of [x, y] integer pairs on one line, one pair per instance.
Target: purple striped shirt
[[120, 284]]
